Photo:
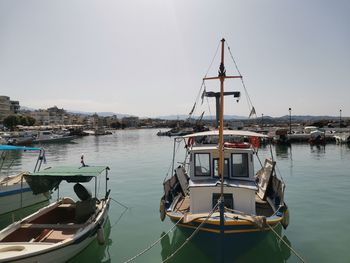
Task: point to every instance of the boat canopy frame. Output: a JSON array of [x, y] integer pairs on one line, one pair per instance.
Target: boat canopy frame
[[238, 133], [50, 178], [6, 149]]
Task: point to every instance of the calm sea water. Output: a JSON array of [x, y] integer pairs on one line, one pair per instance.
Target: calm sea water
[[317, 193]]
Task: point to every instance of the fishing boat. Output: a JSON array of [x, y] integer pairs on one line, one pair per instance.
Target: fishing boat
[[51, 137], [15, 193], [215, 192], [62, 229]]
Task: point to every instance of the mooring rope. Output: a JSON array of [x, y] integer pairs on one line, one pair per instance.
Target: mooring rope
[[290, 247], [154, 243], [170, 230], [126, 208], [295, 253], [192, 235]]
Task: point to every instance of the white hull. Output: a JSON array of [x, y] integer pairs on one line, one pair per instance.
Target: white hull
[[13, 202], [44, 252], [13, 197]]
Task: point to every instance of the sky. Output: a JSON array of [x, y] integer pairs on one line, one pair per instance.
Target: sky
[[148, 57]]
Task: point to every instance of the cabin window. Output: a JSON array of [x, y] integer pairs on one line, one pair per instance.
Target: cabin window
[[239, 165], [202, 164], [228, 200], [216, 167]]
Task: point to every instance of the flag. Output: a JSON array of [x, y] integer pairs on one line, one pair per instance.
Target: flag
[[203, 94], [252, 112], [192, 109]]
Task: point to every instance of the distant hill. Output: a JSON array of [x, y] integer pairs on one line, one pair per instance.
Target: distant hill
[[185, 117], [211, 117], [102, 114]]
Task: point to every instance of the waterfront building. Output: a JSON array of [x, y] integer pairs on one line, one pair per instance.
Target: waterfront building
[[8, 107], [130, 121], [50, 116]]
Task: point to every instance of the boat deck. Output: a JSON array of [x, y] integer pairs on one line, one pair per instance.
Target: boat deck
[[54, 226]]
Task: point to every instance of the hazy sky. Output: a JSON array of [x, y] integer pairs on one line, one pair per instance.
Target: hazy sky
[[148, 57]]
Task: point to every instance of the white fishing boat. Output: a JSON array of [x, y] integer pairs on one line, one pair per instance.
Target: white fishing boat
[[62, 229], [51, 137], [15, 193], [216, 191], [342, 138]]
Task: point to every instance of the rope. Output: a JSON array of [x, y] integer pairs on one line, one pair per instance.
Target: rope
[[192, 235], [291, 249], [250, 104], [121, 215], [171, 163], [212, 61], [119, 203], [203, 82], [154, 243], [165, 234]]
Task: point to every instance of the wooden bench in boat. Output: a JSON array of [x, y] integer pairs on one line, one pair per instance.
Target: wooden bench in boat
[[54, 235], [53, 226]]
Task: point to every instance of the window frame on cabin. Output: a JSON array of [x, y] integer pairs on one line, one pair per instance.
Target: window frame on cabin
[[226, 175], [245, 159], [208, 168]]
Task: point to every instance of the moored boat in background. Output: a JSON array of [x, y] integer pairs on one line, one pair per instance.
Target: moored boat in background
[[15, 193], [51, 137]]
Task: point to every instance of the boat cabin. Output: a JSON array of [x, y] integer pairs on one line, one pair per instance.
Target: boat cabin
[[239, 181]]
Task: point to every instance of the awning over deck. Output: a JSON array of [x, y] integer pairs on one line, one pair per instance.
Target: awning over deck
[[49, 178], [4, 147], [238, 133]]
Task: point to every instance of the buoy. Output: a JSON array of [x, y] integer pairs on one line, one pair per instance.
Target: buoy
[[285, 220], [162, 209], [100, 235]]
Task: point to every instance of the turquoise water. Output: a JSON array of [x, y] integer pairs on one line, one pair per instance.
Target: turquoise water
[[318, 189]]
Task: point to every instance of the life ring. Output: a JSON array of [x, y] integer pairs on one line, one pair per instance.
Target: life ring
[[241, 145]]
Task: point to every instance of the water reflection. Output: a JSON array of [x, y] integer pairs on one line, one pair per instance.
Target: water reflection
[[267, 248], [318, 151], [96, 252], [283, 151]]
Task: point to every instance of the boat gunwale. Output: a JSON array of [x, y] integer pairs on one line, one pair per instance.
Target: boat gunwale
[[101, 215]]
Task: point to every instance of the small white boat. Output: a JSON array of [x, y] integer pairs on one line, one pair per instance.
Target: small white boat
[[62, 229], [342, 138], [317, 137], [15, 193], [51, 137]]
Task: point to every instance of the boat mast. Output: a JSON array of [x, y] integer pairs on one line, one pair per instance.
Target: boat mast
[[222, 76]]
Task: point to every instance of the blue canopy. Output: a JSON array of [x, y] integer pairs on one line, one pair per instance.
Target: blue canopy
[[4, 147]]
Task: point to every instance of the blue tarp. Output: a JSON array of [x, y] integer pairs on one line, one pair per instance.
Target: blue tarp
[[4, 147]]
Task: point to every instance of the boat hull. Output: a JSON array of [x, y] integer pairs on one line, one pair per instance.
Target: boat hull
[[231, 227], [55, 140], [239, 235], [15, 197], [23, 252]]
